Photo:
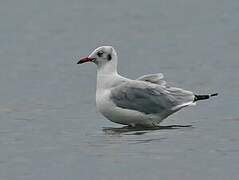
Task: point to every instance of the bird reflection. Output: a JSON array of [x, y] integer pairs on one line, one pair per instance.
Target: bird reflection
[[139, 130]]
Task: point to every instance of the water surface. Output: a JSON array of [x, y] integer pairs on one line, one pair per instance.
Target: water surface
[[49, 127]]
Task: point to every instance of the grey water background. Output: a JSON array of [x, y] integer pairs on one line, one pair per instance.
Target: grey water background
[[49, 126]]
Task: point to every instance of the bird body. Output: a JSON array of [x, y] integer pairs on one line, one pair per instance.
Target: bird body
[[121, 115], [145, 101]]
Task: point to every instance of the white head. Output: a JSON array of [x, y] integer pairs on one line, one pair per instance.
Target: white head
[[105, 57]]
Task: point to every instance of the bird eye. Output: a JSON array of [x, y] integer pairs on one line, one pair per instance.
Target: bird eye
[[100, 53], [109, 57]]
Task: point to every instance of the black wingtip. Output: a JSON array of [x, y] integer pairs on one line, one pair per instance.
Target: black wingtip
[[215, 94], [202, 97]]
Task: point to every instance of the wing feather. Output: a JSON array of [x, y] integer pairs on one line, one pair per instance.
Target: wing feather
[[153, 78], [149, 98]]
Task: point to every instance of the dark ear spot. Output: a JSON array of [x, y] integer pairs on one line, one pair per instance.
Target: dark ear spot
[[109, 57]]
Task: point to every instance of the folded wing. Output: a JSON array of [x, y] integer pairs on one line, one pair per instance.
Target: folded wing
[[150, 98]]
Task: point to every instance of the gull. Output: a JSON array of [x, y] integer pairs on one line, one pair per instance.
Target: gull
[[145, 101]]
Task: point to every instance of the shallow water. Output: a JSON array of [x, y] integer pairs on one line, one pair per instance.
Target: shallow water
[[49, 127]]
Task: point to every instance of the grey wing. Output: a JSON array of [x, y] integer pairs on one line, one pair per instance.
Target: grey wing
[[181, 96], [145, 98], [153, 78]]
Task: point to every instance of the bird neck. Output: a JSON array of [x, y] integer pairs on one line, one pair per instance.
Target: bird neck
[[108, 69], [105, 77]]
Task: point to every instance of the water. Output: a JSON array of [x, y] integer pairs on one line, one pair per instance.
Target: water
[[49, 127]]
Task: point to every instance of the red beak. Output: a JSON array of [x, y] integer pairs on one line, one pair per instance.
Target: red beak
[[85, 59]]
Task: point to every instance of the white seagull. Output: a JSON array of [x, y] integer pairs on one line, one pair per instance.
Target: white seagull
[[145, 101]]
